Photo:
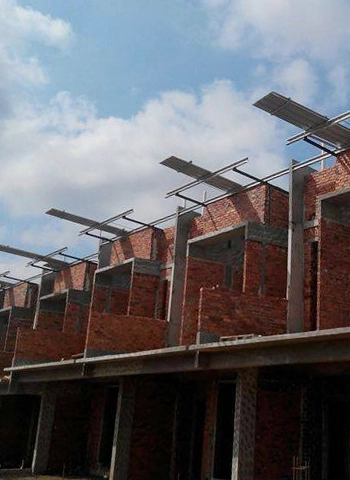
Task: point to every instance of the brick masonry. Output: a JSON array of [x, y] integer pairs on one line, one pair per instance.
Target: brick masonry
[[222, 313], [124, 333]]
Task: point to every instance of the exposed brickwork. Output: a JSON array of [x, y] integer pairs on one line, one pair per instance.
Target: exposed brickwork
[[98, 398], [50, 320], [334, 309], [277, 432], [122, 333], [76, 318], [246, 205], [77, 277], [222, 312], [265, 269], [14, 323], [277, 207], [326, 181], [45, 345], [70, 427], [143, 295], [5, 361], [166, 245], [22, 295], [199, 273], [142, 244], [151, 441]]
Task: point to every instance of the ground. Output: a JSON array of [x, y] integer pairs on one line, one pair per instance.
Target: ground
[[25, 475]]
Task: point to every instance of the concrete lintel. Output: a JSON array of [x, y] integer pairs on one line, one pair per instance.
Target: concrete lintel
[[266, 234], [146, 267], [82, 297], [218, 235], [311, 224]]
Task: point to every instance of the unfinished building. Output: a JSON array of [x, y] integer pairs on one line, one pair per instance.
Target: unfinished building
[[214, 348]]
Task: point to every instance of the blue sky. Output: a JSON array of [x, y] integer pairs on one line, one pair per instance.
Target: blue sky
[[94, 93]]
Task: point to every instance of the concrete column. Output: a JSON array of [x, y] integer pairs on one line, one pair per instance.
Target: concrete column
[[244, 426], [123, 430], [182, 227], [295, 276], [44, 430]]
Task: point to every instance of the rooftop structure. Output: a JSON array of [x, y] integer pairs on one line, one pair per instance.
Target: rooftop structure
[[213, 348]]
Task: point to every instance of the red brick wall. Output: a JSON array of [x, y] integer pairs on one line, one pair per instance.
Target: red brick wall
[[19, 296], [123, 333], [50, 320], [45, 345], [77, 277], [277, 433], [13, 325], [107, 299], [69, 432], [275, 271], [223, 312], [143, 295], [76, 318], [138, 245], [334, 280], [246, 205], [199, 273], [326, 181], [5, 361], [253, 258], [277, 208], [166, 245], [98, 398], [265, 269], [152, 434]]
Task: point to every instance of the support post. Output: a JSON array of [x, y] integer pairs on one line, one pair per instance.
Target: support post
[[182, 227], [295, 275], [244, 426], [44, 430], [123, 430]]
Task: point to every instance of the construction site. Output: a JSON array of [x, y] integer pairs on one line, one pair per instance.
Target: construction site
[[214, 348]]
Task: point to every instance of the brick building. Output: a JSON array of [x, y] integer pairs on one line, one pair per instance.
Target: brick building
[[216, 348]]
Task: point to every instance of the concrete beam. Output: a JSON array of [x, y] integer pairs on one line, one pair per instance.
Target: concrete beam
[[295, 275], [182, 226], [244, 426], [44, 430], [123, 430]]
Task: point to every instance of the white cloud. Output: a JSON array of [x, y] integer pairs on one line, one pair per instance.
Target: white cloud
[[316, 29], [296, 79], [66, 156]]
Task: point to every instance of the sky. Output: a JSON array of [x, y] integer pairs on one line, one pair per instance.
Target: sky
[[95, 93]]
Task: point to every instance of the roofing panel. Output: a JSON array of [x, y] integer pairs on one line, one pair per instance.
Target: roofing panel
[[292, 112], [199, 173]]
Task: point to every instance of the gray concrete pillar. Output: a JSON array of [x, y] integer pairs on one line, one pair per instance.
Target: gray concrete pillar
[[44, 430], [244, 426], [123, 430], [295, 276], [182, 227]]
